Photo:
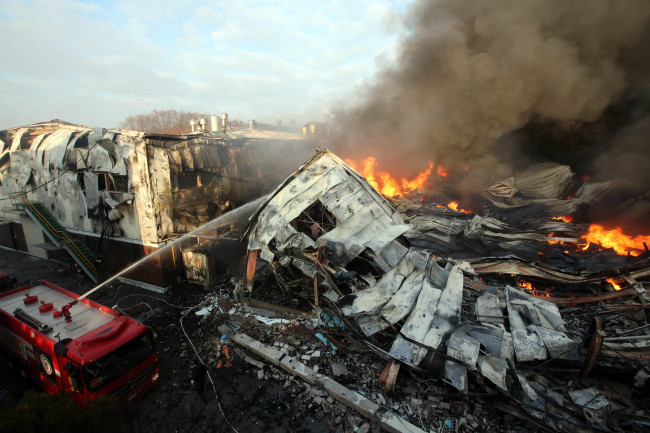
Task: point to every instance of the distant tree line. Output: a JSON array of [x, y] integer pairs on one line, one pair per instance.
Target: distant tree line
[[164, 121], [171, 121]]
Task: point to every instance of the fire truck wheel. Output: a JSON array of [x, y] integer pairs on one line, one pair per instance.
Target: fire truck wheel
[[45, 365]]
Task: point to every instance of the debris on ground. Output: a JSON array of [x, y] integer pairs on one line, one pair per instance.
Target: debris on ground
[[327, 243]]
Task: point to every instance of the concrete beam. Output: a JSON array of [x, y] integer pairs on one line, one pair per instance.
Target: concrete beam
[[388, 421]]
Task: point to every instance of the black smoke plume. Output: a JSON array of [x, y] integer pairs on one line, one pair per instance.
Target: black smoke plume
[[486, 88]]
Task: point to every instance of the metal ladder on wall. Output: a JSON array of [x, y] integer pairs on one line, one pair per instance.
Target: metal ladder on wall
[[77, 249]]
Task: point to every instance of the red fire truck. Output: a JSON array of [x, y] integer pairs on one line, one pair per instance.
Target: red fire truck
[[76, 346]]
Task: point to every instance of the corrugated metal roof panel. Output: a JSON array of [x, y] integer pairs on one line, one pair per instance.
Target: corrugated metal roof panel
[[374, 298], [55, 146], [398, 307]]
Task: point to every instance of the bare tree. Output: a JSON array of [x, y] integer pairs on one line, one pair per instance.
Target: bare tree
[[163, 121]]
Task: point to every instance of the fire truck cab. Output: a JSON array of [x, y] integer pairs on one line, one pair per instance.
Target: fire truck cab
[[67, 345]]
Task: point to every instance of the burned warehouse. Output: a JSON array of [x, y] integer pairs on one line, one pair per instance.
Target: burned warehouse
[[120, 195], [458, 242], [474, 299]]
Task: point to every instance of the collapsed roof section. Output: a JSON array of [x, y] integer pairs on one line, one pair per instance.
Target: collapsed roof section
[[328, 223], [542, 191], [326, 202]]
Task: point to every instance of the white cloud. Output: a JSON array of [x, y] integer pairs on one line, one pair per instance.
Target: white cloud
[[96, 62]]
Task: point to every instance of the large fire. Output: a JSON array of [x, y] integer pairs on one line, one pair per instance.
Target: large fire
[[385, 183], [617, 240], [621, 243], [389, 186]]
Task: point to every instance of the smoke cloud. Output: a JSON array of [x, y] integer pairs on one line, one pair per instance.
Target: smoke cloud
[[471, 72]]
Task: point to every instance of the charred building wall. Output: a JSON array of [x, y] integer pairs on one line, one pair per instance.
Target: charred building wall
[[125, 193]]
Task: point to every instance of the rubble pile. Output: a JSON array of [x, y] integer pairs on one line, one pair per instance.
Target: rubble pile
[[562, 400], [326, 347], [359, 313], [450, 294]]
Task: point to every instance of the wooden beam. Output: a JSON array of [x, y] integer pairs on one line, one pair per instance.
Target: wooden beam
[[594, 348], [388, 377]]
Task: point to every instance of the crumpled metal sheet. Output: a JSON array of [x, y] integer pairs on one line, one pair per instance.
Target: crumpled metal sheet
[[540, 191], [20, 170], [92, 190], [462, 347], [54, 150], [4, 160], [139, 174], [160, 184], [104, 155], [413, 287], [512, 267], [54, 147], [397, 307], [536, 327], [488, 309], [494, 369], [372, 299], [542, 181], [69, 201], [417, 325], [364, 219], [447, 316], [287, 204], [15, 144], [435, 317]]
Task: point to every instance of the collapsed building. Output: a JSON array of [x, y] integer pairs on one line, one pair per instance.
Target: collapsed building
[[454, 294], [451, 293], [110, 197]]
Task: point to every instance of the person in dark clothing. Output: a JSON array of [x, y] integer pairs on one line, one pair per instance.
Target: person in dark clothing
[[198, 378]]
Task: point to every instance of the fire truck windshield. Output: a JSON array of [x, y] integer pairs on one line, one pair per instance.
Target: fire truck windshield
[[117, 363]]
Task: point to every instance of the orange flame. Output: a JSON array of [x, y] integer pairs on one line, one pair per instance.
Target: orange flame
[[442, 171], [566, 219], [551, 241], [526, 284], [454, 205], [418, 182], [614, 284], [532, 290], [621, 243], [385, 183]]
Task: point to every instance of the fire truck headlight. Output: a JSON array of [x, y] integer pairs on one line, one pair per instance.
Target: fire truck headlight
[[154, 377]]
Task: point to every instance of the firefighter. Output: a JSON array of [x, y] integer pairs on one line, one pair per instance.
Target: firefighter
[[223, 354]]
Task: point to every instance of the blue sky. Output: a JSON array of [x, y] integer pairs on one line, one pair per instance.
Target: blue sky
[[95, 63]]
